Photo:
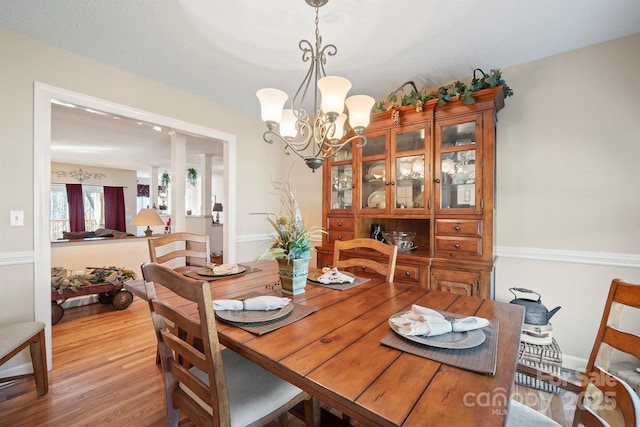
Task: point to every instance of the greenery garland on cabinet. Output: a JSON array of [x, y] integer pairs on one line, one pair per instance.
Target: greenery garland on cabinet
[[444, 94]]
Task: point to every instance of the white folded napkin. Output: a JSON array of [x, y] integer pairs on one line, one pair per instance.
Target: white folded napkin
[[332, 275], [427, 322], [262, 302], [222, 268]]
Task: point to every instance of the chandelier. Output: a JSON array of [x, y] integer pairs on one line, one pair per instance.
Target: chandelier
[[316, 138]]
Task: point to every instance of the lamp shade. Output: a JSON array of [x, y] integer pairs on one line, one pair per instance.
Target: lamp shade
[[217, 207], [288, 124], [333, 90], [147, 217], [359, 107], [271, 104]]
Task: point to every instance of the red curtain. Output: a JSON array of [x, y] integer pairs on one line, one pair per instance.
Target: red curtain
[[114, 217], [76, 207]]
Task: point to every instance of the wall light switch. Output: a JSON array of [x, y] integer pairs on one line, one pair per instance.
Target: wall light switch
[[16, 218]]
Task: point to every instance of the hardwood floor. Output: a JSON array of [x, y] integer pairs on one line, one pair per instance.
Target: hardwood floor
[[104, 374]]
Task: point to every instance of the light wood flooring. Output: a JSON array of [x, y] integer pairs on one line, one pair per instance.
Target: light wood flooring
[[104, 374]]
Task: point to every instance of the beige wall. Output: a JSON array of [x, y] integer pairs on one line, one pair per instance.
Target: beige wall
[[25, 61], [568, 184], [568, 205]]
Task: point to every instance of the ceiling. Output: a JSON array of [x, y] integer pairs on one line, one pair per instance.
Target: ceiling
[[226, 50], [88, 137]]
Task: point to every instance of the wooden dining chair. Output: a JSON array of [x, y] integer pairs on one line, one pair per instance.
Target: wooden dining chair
[[180, 249], [209, 385], [387, 269], [603, 398], [14, 338]]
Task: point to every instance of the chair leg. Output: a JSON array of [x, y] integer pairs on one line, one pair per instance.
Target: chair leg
[[312, 412], [39, 362]]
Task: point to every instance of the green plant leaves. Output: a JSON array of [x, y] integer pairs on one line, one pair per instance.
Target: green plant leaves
[[444, 94]]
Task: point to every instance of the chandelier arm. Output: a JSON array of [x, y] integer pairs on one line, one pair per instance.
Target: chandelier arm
[[330, 149], [330, 50], [304, 87], [270, 136]]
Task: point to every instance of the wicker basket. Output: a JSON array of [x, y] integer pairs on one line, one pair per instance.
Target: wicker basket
[[544, 357]]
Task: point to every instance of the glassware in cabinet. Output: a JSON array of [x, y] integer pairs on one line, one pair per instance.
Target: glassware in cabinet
[[374, 173], [342, 186], [458, 155], [410, 167]]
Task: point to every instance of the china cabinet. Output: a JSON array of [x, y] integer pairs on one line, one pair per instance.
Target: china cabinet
[[431, 172]]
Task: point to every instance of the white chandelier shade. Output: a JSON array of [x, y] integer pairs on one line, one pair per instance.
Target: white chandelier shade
[[359, 107], [334, 90], [272, 101]]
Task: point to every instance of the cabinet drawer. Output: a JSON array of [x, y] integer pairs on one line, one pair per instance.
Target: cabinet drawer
[[341, 224], [407, 273], [461, 245], [455, 281], [459, 227], [333, 235]]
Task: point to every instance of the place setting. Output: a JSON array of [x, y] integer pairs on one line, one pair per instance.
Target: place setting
[[212, 271], [259, 313], [467, 342], [334, 279]]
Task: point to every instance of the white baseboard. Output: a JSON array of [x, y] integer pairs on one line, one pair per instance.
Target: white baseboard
[[572, 362], [25, 368]]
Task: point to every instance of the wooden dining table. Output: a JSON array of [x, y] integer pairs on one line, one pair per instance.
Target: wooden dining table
[[335, 353]]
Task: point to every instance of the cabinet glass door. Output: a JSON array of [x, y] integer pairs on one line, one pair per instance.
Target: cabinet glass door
[[409, 182], [374, 185], [342, 186], [458, 155], [409, 167], [373, 173]]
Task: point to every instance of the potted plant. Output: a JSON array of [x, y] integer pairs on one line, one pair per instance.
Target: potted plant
[[165, 179], [192, 176], [291, 241]]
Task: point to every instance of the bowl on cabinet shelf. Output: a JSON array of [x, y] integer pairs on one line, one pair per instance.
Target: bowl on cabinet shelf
[[402, 239]]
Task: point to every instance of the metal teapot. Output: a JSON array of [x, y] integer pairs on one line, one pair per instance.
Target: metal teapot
[[535, 313]]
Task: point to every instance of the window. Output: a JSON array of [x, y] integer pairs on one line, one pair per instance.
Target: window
[[93, 197]]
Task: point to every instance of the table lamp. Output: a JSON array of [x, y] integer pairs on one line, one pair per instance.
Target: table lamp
[[147, 217], [217, 208]]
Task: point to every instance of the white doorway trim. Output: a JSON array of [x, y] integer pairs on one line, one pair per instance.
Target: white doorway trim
[[43, 94]]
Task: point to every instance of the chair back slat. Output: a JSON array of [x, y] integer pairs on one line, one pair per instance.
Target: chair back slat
[[189, 248], [179, 353], [603, 395], [623, 341], [388, 252]]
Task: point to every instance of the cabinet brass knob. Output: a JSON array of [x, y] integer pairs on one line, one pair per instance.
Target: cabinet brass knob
[[457, 245], [353, 186], [393, 183], [457, 227], [386, 183], [339, 237], [437, 180], [339, 224], [406, 273], [362, 267]]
